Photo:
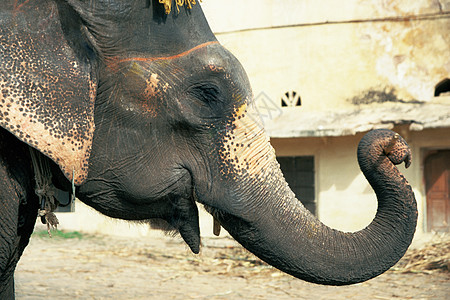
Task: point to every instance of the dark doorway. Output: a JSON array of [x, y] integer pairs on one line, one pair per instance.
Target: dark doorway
[[437, 181], [299, 174]]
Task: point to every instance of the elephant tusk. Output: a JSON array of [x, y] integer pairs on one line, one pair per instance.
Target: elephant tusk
[[391, 144], [216, 227]]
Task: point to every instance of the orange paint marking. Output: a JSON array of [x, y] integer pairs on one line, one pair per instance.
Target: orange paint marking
[[18, 7], [115, 61]]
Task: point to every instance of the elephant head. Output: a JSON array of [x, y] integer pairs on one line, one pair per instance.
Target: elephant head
[[148, 114]]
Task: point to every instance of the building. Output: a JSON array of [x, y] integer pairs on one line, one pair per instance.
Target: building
[[323, 75]]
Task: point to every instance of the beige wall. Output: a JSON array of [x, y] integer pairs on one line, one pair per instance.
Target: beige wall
[[345, 200], [332, 63], [235, 15]]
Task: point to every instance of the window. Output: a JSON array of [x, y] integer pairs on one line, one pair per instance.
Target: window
[[442, 88], [299, 174], [291, 99]]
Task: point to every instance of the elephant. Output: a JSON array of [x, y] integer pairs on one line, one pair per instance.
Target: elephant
[[143, 114]]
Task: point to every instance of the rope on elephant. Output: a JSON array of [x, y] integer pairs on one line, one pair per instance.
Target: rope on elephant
[[44, 190], [168, 4]]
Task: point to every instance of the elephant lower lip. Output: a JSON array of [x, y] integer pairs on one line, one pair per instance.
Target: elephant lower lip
[[216, 227], [188, 221]]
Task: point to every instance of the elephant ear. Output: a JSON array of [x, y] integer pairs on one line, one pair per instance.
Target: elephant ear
[[47, 83]]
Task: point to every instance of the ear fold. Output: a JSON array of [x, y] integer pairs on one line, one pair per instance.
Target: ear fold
[[47, 82]]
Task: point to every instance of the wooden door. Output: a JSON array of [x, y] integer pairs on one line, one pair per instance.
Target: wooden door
[[437, 181]]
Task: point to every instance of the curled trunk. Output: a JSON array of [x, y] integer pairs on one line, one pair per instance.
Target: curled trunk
[[282, 232]]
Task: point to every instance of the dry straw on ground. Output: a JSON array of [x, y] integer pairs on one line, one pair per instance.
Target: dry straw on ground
[[431, 258]]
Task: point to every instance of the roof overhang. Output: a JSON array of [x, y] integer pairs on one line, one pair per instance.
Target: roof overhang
[[295, 122]]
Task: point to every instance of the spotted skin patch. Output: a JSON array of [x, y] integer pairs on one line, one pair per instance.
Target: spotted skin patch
[[47, 92], [246, 148]]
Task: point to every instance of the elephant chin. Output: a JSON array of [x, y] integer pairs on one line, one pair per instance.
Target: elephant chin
[[269, 221]]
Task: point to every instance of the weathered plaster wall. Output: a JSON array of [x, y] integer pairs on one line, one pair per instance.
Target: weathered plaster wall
[[235, 15], [330, 64]]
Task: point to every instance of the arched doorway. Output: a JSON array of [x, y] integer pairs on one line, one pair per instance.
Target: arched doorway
[[437, 182]]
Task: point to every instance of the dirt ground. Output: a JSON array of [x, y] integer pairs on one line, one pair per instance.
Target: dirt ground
[[105, 267]]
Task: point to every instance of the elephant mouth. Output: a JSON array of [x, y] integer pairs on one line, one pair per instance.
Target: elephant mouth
[[184, 216]]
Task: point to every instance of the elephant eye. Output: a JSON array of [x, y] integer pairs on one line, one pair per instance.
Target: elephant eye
[[209, 93]]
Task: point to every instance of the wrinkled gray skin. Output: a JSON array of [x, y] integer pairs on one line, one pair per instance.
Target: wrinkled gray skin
[[174, 125]]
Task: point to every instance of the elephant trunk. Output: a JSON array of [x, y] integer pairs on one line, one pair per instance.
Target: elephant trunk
[[280, 230]]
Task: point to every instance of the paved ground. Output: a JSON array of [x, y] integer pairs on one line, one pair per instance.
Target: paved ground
[[104, 267]]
